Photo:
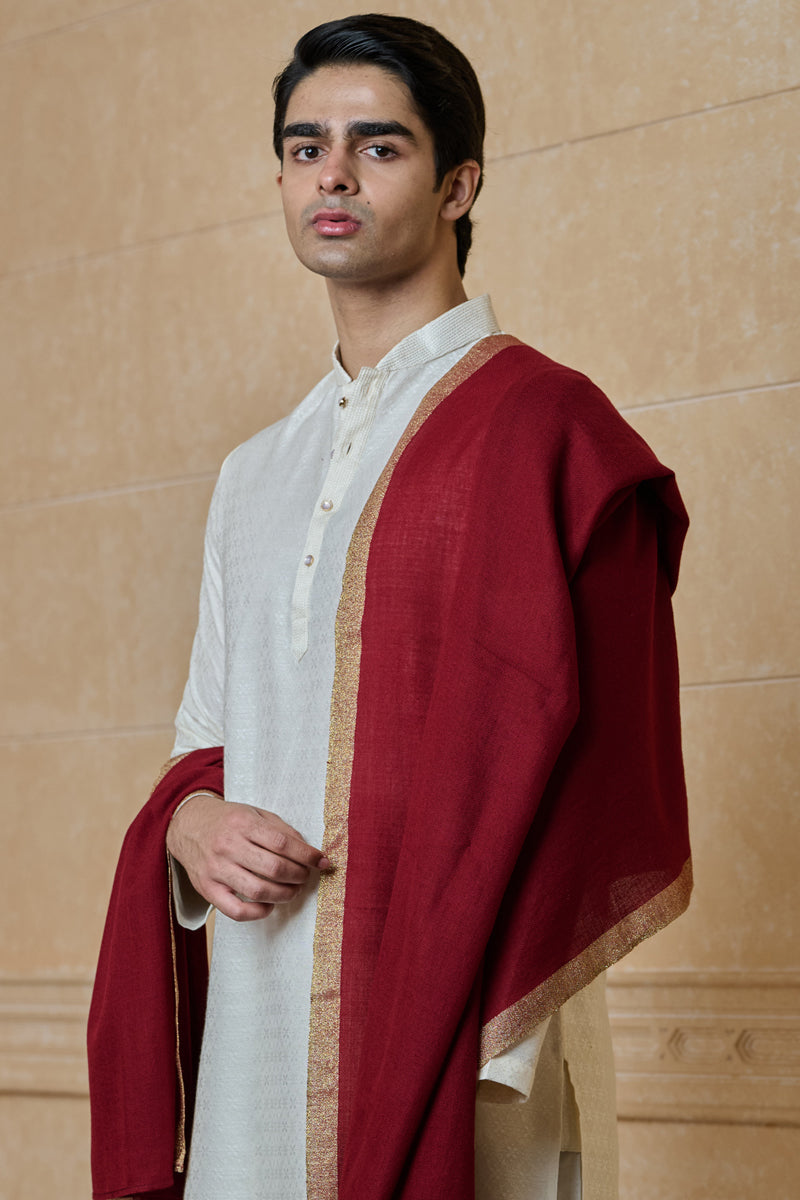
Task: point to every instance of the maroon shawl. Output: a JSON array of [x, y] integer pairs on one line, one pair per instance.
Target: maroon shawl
[[505, 800], [148, 1006]]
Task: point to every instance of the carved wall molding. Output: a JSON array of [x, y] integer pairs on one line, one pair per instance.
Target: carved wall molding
[[43, 1035], [704, 1046], [707, 1046]]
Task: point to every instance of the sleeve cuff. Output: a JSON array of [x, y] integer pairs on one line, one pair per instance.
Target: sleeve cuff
[[508, 1077], [191, 909]]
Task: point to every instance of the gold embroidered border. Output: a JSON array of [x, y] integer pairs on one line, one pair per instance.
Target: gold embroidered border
[[180, 1131], [516, 1022], [323, 1052]]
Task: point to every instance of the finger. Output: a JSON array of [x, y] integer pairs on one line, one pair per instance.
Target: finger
[[274, 834], [231, 905], [254, 887], [268, 865]]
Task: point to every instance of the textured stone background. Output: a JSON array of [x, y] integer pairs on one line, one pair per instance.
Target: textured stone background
[[639, 221]]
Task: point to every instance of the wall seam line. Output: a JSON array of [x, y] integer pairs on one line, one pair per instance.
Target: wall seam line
[[81, 23], [668, 1119], [58, 264], [123, 489], [752, 681], [727, 393], [549, 147], [77, 735]]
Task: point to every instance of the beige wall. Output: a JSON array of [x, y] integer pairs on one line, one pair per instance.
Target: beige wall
[[637, 222]]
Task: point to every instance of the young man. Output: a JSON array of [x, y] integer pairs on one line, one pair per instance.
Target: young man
[[435, 642]]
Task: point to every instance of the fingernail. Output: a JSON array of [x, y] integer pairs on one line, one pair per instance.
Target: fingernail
[[325, 864]]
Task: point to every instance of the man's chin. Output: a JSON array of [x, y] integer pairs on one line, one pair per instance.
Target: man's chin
[[337, 258], [342, 267]]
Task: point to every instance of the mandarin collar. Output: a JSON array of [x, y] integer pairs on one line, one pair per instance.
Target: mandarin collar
[[459, 326]]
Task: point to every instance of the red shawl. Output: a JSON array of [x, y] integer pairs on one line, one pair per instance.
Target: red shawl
[[148, 1007], [505, 802], [505, 799]]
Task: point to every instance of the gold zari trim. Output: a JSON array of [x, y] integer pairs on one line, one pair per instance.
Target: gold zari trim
[[323, 1051], [514, 1024], [180, 1132]]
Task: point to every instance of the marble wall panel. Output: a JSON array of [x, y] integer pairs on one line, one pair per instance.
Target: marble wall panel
[[100, 602], [154, 362], [662, 261], [29, 18], [73, 800], [44, 1150], [152, 121], [736, 460], [675, 1161], [559, 72], [742, 768], [658, 259]]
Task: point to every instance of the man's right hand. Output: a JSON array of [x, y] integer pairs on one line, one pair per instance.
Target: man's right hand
[[232, 850]]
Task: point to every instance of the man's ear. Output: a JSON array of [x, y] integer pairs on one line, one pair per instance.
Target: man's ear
[[279, 178], [458, 188]]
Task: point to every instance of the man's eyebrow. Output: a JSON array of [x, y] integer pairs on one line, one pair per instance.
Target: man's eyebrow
[[355, 129], [371, 129], [304, 129]]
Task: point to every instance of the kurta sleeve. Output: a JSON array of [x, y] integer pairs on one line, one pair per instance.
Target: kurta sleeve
[[191, 909], [200, 719]]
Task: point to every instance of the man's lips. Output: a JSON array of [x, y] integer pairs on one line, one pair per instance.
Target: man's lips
[[334, 222]]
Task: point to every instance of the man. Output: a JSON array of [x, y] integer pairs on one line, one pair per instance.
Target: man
[[435, 642]]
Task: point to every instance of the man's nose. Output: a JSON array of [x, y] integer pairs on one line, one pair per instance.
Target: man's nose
[[336, 173]]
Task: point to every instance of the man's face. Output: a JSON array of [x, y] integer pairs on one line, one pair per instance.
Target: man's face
[[357, 178]]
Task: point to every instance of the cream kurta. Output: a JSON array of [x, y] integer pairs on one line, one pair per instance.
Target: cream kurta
[[260, 683]]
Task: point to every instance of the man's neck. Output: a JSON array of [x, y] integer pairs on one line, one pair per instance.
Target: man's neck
[[371, 321]]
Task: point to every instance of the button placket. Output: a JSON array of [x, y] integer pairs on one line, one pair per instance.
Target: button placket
[[352, 423]]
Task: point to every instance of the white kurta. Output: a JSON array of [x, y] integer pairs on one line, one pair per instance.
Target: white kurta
[[260, 683]]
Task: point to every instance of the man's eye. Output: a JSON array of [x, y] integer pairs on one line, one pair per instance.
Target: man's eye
[[380, 151], [306, 153]]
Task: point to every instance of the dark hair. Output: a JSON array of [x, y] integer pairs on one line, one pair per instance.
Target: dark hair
[[442, 83]]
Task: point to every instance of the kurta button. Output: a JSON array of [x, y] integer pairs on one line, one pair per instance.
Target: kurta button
[[343, 402], [326, 505], [308, 560]]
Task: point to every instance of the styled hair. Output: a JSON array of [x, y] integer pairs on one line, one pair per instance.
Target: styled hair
[[443, 86]]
